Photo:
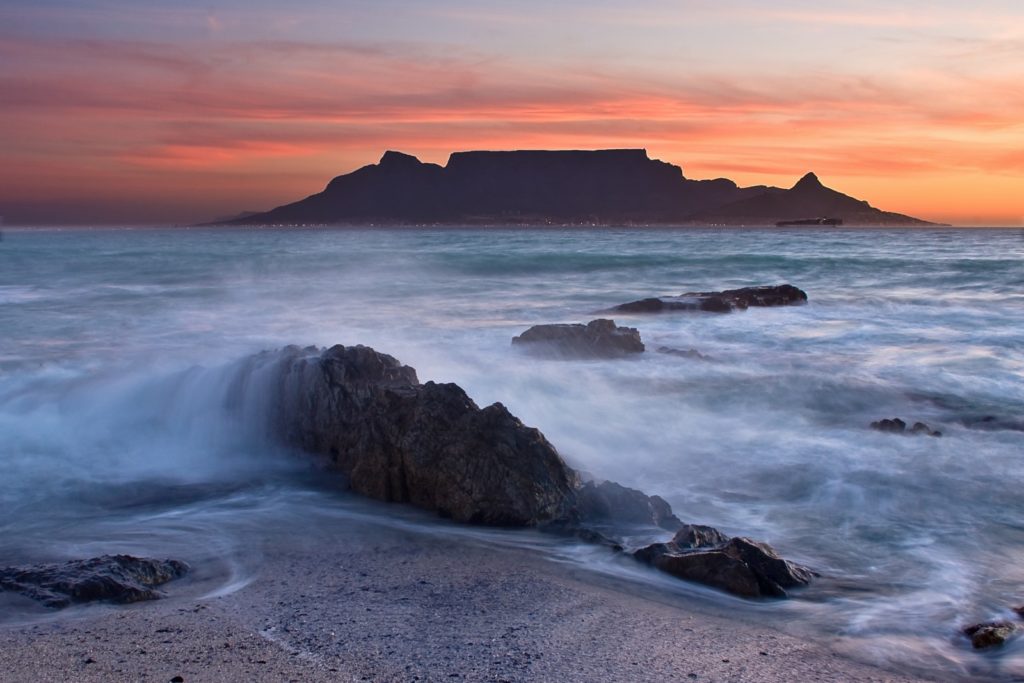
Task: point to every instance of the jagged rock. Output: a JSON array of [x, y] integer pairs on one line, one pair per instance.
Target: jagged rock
[[898, 426], [597, 339], [693, 354], [425, 444], [613, 502], [429, 445], [990, 633], [112, 578], [736, 565], [719, 302]]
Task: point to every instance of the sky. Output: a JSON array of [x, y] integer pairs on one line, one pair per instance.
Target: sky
[[135, 111]]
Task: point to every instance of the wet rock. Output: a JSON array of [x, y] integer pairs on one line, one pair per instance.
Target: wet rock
[[425, 444], [692, 354], [611, 502], [110, 578], [990, 633], [898, 426], [736, 565], [719, 302], [597, 339]]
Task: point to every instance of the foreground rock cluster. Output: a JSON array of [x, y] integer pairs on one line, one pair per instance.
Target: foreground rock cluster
[[110, 578], [427, 444]]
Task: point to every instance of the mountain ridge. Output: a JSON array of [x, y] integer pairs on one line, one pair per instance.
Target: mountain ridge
[[558, 187]]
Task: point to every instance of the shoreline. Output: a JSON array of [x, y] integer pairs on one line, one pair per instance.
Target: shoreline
[[371, 602]]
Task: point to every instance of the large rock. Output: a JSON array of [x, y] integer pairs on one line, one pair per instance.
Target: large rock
[[719, 302], [429, 445], [110, 578], [736, 565], [425, 444], [597, 339]]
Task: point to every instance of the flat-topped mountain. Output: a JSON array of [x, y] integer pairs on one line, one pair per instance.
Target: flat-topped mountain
[[616, 186]]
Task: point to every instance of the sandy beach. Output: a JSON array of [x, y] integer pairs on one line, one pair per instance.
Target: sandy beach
[[369, 602]]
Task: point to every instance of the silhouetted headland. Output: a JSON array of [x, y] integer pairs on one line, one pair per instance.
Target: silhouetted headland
[[605, 187]]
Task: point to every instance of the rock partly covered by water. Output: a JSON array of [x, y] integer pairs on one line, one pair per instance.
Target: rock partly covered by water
[[737, 565], [111, 578], [611, 502], [597, 339], [430, 445], [898, 426], [990, 633], [719, 302]]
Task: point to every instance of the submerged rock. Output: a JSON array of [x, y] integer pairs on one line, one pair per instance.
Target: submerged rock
[[736, 565], [111, 578], [692, 354], [990, 633], [719, 302], [609, 501], [597, 339], [898, 426]]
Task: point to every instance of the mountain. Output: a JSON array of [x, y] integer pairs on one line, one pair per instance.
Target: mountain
[[807, 199], [615, 186]]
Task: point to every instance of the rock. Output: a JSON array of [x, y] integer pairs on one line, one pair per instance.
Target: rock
[[1019, 611], [426, 444], [719, 302], [611, 502], [429, 445], [693, 354], [992, 423], [990, 633], [898, 426], [111, 578], [893, 426], [597, 339], [736, 565]]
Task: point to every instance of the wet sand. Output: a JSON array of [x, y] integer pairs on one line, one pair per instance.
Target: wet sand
[[394, 605]]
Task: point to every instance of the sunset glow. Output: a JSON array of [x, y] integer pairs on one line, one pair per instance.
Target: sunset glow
[[116, 112]]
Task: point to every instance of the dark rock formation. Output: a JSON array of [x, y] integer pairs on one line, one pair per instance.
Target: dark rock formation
[[609, 501], [719, 302], [597, 339], [990, 633], [111, 578], [737, 565], [429, 445], [425, 444], [898, 426], [615, 186], [692, 354]]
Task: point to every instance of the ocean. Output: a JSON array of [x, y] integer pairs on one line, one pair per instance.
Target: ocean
[[117, 347]]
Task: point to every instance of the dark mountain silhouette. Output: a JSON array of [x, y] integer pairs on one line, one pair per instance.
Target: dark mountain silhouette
[[618, 186]]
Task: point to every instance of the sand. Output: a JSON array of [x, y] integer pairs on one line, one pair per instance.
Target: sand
[[342, 604]]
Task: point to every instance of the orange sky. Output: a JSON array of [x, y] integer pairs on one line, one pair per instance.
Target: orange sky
[[147, 112]]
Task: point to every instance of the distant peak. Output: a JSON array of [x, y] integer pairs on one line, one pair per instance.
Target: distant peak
[[392, 158], [809, 181]]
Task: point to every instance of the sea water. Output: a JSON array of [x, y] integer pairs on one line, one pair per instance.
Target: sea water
[[117, 348]]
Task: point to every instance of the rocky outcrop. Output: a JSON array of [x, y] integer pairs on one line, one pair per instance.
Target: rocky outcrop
[[736, 565], [719, 302], [611, 502], [597, 339], [990, 633], [426, 444], [898, 426], [110, 578], [430, 445]]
